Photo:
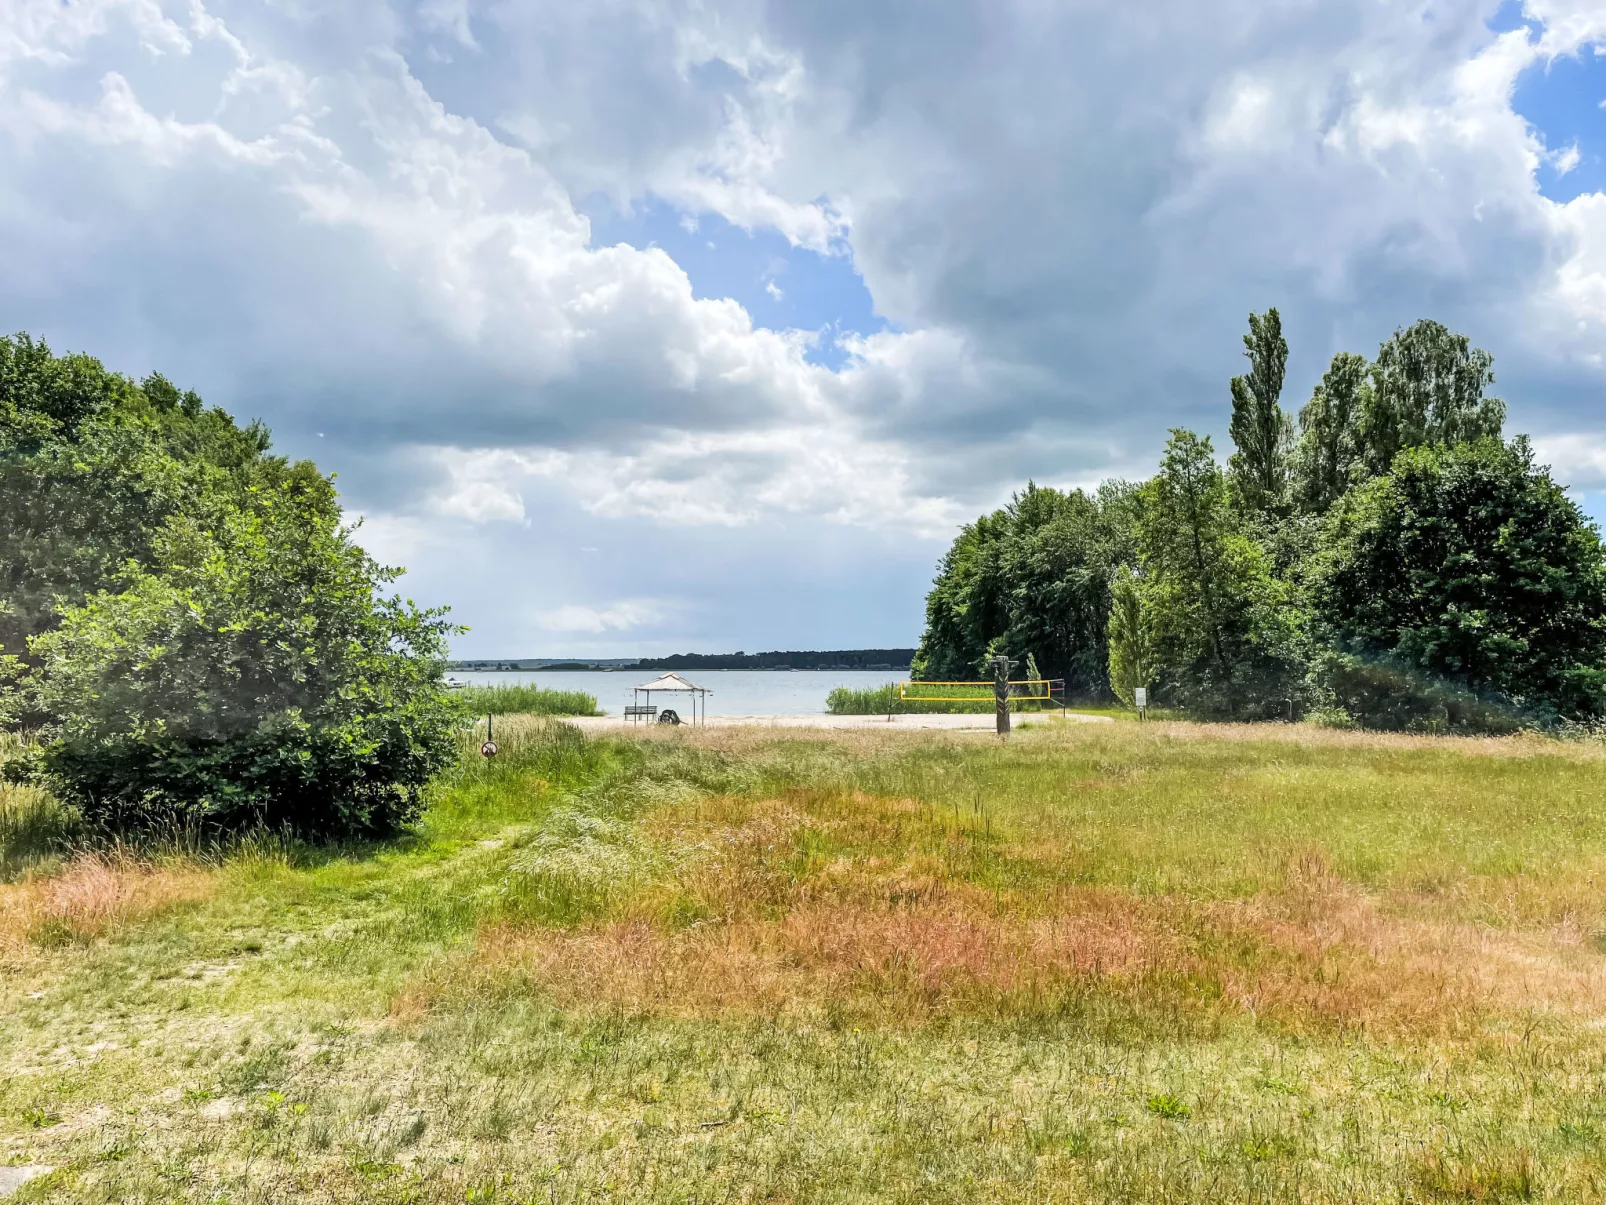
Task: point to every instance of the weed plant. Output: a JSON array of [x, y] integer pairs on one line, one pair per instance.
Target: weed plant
[[1094, 963]]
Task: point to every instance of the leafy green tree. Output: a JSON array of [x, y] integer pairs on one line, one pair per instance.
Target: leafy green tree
[[965, 607], [1469, 563], [1426, 390], [92, 465], [247, 676], [1225, 637], [1260, 430], [1325, 461], [1131, 639], [1031, 580]]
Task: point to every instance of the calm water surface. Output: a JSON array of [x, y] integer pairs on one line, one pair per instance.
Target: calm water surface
[[732, 692]]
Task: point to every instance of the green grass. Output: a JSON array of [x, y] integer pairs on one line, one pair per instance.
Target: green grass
[[1094, 963], [884, 700], [515, 699]]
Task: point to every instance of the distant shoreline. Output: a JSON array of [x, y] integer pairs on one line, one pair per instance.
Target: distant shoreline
[[871, 660]]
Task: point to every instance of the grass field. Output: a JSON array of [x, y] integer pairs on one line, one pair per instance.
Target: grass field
[[1097, 963]]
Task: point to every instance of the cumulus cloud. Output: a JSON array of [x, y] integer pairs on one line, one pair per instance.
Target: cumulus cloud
[[369, 219], [619, 616]]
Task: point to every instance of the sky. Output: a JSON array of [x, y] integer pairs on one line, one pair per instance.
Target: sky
[[633, 327]]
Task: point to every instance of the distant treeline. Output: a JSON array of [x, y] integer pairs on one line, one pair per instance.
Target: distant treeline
[[838, 659]]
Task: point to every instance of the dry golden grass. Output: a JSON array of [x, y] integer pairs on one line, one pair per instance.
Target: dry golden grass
[[880, 922], [93, 895]]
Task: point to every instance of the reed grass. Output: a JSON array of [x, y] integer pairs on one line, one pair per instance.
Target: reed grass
[[885, 700], [522, 699], [1127, 962]]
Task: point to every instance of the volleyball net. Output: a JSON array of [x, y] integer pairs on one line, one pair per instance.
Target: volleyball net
[[1050, 691]]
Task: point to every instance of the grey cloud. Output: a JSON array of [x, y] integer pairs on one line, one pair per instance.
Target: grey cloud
[[361, 220]]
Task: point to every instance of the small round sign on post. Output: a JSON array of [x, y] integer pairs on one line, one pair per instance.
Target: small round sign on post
[[488, 749]]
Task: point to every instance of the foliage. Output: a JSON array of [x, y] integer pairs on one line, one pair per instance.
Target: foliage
[[1469, 563], [1260, 430], [1426, 390], [523, 699], [186, 621], [1032, 580], [92, 466], [249, 677], [1326, 460], [884, 700], [1386, 693], [1222, 629], [1221, 567], [1131, 639]]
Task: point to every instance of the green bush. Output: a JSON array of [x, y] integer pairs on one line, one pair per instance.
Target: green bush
[[522, 699], [1388, 694], [1470, 565], [250, 676]]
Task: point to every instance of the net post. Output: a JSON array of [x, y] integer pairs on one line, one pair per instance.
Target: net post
[[1001, 693]]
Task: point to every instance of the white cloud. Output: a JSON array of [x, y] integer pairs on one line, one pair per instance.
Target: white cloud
[[368, 221], [1578, 459], [616, 617]]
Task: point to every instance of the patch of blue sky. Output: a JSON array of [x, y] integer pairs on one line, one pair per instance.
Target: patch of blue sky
[[781, 286], [1563, 100], [1593, 504]]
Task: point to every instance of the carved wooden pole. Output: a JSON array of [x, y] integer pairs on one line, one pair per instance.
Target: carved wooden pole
[[1001, 693]]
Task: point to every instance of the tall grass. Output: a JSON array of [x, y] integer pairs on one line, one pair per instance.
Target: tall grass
[[519, 699], [884, 700]]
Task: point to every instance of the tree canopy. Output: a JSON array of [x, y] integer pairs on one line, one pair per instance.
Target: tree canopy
[[188, 624], [1397, 564]]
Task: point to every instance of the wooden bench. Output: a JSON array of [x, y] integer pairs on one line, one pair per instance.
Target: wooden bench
[[633, 712]]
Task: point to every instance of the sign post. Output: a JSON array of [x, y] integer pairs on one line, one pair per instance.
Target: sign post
[[1140, 697], [488, 749]]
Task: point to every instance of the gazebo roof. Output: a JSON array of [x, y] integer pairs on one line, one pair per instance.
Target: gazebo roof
[[672, 682]]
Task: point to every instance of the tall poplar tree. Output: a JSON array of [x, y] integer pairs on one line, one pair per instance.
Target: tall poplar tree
[[1260, 430]]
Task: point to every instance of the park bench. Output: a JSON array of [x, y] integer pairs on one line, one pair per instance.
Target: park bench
[[634, 712]]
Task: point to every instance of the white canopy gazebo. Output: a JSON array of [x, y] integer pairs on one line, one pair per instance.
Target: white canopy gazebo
[[670, 683]]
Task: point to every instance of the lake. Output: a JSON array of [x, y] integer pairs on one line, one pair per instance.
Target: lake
[[733, 692]]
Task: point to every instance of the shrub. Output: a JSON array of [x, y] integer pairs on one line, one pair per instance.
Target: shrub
[[252, 677], [1469, 564], [1388, 694]]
